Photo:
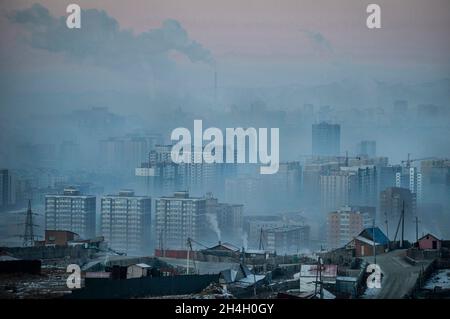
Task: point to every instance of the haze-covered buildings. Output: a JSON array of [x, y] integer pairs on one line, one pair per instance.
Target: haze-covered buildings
[[392, 202], [344, 224], [126, 222], [436, 181], [286, 239], [326, 139], [71, 211], [337, 189], [226, 220], [367, 149], [178, 218], [7, 189]]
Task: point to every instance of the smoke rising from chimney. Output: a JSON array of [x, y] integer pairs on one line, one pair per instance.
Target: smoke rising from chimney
[[212, 219]]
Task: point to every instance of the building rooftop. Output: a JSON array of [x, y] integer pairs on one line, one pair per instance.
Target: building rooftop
[[126, 193], [142, 265], [380, 237], [285, 228], [428, 235], [182, 195]]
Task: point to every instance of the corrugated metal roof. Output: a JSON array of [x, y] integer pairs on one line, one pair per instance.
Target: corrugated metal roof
[[380, 237]]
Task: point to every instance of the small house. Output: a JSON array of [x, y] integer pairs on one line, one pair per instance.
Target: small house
[[429, 241], [363, 244], [138, 270]]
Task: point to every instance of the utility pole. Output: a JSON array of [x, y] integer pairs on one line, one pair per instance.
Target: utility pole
[[300, 279], [320, 276], [187, 261], [387, 224], [387, 230], [254, 279], [317, 279], [374, 244], [403, 223], [417, 231]]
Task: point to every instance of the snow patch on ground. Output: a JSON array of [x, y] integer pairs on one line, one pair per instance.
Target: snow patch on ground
[[441, 279]]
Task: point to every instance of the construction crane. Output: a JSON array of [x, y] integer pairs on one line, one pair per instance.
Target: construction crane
[[409, 160]]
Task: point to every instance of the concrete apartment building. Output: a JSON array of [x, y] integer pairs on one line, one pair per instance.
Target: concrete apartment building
[[392, 200], [336, 189], [71, 211], [344, 224], [178, 218], [287, 239], [229, 218], [326, 139], [126, 222]]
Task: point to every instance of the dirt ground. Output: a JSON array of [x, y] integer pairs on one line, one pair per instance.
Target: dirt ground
[[51, 283]]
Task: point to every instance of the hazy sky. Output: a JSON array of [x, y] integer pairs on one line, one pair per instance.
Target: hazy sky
[[268, 42]]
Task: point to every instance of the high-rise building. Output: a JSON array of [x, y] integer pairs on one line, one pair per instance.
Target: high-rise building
[[344, 224], [199, 177], [367, 149], [71, 211], [178, 218], [285, 233], [287, 182], [254, 227], [326, 139], [436, 181], [126, 222], [337, 188], [366, 190], [230, 219], [392, 202], [387, 176], [256, 191], [287, 239], [401, 177], [126, 152], [410, 178], [165, 176], [7, 189], [311, 181], [226, 220], [245, 189]]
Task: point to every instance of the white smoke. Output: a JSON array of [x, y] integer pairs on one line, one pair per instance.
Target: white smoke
[[212, 219]]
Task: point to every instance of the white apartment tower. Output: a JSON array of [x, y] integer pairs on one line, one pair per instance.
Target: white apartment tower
[[178, 218], [71, 211], [126, 222]]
